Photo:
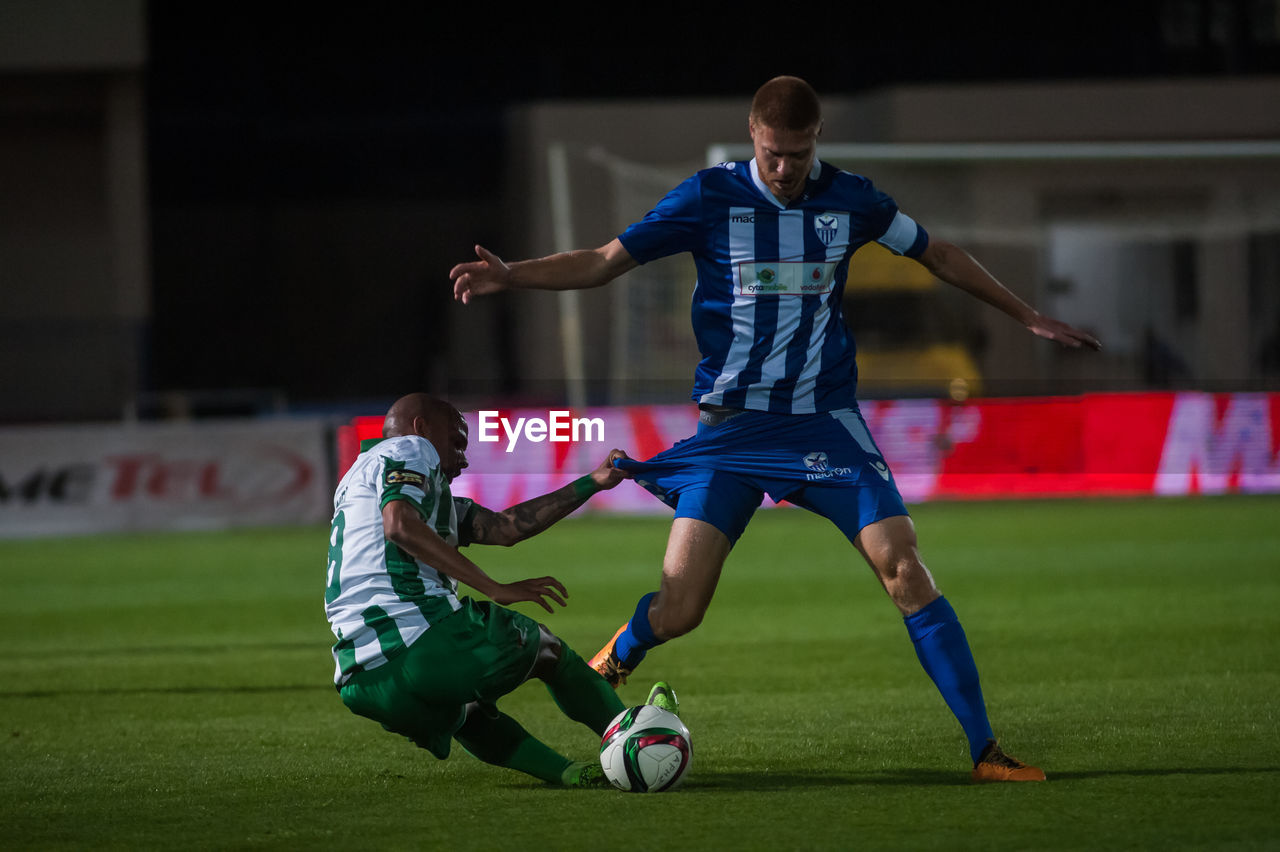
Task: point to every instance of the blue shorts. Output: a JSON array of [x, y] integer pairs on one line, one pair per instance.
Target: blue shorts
[[826, 463]]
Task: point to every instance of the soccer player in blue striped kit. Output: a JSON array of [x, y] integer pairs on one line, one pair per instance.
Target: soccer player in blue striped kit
[[772, 239]]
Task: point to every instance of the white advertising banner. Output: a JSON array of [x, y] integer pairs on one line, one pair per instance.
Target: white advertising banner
[[58, 480]]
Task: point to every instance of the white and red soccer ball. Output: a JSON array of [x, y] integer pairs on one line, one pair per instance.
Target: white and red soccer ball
[[646, 749]]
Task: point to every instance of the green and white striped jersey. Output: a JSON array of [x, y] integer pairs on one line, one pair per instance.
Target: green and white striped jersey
[[379, 599]]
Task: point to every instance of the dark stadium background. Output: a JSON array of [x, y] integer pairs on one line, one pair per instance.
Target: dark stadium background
[[252, 208], [263, 105]]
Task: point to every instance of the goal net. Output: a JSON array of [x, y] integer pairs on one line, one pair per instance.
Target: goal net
[[1168, 251]]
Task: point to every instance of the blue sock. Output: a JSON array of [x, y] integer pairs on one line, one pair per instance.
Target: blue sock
[[638, 638], [944, 652]]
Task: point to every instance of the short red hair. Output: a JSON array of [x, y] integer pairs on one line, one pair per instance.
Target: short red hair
[[786, 103]]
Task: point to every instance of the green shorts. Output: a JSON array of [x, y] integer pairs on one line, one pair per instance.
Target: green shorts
[[479, 653]]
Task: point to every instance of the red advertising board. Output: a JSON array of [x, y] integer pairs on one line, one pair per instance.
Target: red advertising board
[[1089, 445]]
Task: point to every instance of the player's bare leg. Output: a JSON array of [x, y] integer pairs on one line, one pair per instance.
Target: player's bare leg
[[890, 547], [691, 567]]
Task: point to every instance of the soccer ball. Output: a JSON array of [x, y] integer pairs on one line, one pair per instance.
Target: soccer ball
[[646, 750]]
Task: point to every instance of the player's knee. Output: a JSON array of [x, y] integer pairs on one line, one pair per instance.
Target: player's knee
[[550, 650], [908, 582]]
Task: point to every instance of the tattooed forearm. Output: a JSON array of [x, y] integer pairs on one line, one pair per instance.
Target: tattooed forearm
[[525, 519], [485, 526], [534, 516]]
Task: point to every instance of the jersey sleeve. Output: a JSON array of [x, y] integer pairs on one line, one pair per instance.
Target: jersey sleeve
[[408, 473], [904, 236], [880, 219], [673, 226]]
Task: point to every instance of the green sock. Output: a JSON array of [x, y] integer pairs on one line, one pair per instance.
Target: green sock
[[581, 693], [501, 741], [569, 777]]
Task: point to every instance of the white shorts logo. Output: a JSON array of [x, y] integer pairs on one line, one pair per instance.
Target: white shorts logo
[[817, 462]]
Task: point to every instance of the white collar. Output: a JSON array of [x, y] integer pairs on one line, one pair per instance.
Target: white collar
[[764, 189]]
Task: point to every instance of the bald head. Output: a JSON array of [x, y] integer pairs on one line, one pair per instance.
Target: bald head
[[403, 413], [434, 419]]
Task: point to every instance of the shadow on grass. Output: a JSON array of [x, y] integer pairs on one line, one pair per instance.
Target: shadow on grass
[[710, 783], [72, 654], [1158, 772], [171, 690]]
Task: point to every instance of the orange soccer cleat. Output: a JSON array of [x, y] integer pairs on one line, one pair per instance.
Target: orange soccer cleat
[[995, 765], [607, 664]]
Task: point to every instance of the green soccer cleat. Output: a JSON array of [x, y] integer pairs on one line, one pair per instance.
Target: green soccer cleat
[[585, 775], [663, 697]]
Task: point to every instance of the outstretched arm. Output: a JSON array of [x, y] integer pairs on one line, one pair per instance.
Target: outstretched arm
[[403, 526], [956, 267], [570, 270], [533, 516]]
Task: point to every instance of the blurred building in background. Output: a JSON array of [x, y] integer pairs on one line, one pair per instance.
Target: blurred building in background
[[1146, 211], [221, 209], [75, 253]]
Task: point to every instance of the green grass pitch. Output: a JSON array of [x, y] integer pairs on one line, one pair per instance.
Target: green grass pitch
[[173, 691]]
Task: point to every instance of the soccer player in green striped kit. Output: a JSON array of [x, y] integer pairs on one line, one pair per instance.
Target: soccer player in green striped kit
[[413, 655]]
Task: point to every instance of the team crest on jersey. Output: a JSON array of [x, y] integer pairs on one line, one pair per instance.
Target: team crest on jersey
[[828, 227]]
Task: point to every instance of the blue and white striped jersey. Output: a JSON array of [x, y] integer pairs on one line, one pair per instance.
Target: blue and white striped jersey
[[767, 304]]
